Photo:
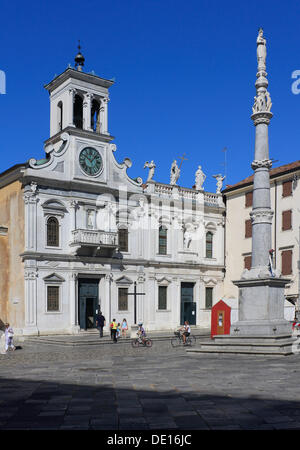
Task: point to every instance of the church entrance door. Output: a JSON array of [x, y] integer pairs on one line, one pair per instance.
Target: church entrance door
[[188, 306], [88, 303]]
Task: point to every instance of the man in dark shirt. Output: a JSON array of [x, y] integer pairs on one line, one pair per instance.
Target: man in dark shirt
[[100, 322]]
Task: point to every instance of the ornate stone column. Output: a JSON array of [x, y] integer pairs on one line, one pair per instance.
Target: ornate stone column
[[30, 200], [87, 105], [71, 107], [74, 327], [261, 291], [104, 116], [30, 278]]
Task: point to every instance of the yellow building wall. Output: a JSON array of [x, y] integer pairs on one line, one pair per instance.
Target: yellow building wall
[[12, 296]]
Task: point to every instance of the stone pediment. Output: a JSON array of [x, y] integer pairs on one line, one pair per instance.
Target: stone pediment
[[54, 278], [124, 280]]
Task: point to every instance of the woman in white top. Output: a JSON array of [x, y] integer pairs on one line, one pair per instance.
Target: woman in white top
[[186, 331]]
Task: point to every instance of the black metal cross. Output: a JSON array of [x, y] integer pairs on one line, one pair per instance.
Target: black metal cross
[[135, 294]]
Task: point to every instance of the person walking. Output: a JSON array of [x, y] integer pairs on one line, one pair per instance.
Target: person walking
[[9, 336], [114, 330], [124, 328], [100, 323]]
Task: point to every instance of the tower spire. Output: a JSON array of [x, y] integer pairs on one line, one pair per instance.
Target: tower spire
[[79, 58]]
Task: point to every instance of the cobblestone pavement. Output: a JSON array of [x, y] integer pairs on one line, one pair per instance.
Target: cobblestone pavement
[[117, 387]]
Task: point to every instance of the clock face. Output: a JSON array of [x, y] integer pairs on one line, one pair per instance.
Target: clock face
[[90, 161]]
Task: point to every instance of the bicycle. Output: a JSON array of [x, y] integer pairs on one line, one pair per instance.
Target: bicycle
[[139, 342], [178, 340]]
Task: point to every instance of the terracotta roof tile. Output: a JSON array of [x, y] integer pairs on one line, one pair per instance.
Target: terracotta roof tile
[[273, 173]]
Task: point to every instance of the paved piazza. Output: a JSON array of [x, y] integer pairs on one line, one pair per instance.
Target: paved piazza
[[115, 387]]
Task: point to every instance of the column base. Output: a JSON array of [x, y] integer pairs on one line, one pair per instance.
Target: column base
[[280, 345]]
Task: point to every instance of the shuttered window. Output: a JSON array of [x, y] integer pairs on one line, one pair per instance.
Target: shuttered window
[[123, 299], [287, 220], [52, 298], [162, 297], [247, 262], [287, 188], [208, 297], [248, 228], [248, 199], [286, 262]]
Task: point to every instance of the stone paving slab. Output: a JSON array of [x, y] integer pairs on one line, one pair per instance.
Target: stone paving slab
[[117, 387]]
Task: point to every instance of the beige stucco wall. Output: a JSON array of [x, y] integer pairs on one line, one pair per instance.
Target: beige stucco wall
[[11, 246], [237, 246]]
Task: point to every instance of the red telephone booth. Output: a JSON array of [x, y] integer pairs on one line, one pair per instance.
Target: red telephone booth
[[220, 319]]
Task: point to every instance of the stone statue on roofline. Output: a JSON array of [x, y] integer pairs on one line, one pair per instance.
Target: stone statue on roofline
[[151, 166], [175, 173], [219, 179], [199, 179]]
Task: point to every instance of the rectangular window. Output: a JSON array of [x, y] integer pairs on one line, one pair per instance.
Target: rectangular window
[[247, 262], [162, 243], [287, 188], [287, 220], [208, 297], [286, 262], [209, 245], [52, 298], [123, 299], [162, 297], [123, 239], [248, 228], [248, 199]]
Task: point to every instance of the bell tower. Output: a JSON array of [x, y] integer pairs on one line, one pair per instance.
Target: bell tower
[[79, 101]]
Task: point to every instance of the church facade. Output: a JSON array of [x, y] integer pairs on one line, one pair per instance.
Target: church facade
[[78, 235]]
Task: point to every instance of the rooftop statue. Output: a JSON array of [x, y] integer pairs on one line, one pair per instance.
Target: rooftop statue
[[151, 166], [199, 179], [175, 173]]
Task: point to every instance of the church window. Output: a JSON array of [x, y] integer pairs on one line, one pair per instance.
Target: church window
[[162, 297], [123, 299], [52, 298], [60, 116], [209, 245], [123, 239], [208, 297], [78, 111], [95, 116], [52, 232], [162, 241]]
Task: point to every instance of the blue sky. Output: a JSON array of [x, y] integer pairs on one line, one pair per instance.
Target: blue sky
[[184, 70]]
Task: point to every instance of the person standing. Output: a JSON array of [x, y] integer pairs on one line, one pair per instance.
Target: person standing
[[114, 330], [9, 336], [100, 323], [124, 328]]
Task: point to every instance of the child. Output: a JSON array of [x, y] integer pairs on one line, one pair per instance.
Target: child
[[124, 328], [9, 335], [141, 332], [118, 330]]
